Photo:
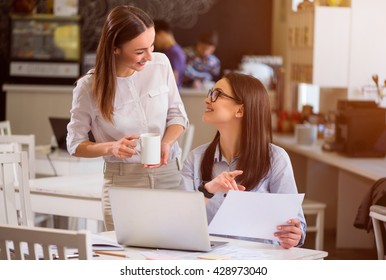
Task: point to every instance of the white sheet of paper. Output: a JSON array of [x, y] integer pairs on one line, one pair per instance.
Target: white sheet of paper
[[256, 215]]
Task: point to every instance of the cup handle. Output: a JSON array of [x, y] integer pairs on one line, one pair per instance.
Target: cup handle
[[138, 141]]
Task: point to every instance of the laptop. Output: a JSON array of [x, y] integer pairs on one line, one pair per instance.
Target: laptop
[[155, 218], [59, 128]]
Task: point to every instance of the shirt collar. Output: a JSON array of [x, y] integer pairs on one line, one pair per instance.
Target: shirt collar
[[219, 158], [217, 154]]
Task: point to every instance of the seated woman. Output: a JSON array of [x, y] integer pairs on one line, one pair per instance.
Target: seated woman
[[241, 155]]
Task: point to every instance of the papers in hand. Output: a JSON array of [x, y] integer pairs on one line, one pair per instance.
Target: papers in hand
[[103, 243], [255, 215]]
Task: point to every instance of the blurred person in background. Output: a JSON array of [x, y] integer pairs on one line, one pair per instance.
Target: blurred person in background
[[202, 66], [166, 43]]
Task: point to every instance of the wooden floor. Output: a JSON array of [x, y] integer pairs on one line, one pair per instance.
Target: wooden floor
[[340, 254]]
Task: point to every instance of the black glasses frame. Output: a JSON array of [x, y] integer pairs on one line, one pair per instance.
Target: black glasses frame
[[213, 94]]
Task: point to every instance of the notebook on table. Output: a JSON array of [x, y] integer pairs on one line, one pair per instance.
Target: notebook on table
[[167, 219]]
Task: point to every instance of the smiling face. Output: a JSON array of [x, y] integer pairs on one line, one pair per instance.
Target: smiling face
[[224, 110], [133, 55]]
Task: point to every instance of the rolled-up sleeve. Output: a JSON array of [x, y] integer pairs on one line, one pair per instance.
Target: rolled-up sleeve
[[81, 116]]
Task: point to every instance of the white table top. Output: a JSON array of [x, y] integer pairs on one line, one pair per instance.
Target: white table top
[[60, 162], [72, 195], [88, 186], [235, 249], [43, 150], [370, 168]]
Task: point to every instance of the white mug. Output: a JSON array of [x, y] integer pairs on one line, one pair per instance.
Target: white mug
[[306, 134], [150, 148]]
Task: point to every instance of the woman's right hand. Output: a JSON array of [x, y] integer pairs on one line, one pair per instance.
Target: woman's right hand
[[124, 147], [225, 182]]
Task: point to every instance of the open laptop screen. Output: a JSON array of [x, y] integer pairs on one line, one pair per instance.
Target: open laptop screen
[[158, 218]]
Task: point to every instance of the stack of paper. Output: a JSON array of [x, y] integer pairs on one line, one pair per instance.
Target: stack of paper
[[255, 215]]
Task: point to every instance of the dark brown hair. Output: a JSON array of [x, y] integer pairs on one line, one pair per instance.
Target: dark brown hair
[[123, 24], [256, 132], [162, 25], [209, 38]]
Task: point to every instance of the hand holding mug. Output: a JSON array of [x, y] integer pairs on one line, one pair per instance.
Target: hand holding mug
[[125, 147]]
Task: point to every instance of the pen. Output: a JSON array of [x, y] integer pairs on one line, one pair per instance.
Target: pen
[[110, 254], [70, 256]]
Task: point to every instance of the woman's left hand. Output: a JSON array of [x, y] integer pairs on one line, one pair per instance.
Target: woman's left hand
[[289, 235]]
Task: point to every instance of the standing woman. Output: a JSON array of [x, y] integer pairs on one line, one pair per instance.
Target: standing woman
[[130, 91], [241, 155]]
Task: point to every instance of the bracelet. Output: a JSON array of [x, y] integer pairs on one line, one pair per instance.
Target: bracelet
[[202, 189]]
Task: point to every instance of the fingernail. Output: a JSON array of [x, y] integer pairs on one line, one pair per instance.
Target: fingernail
[[279, 227]]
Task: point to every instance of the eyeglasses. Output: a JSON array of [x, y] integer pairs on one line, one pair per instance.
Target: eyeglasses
[[213, 94]]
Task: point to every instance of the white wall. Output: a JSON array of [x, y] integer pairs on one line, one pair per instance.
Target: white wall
[[331, 47], [368, 44], [29, 106]]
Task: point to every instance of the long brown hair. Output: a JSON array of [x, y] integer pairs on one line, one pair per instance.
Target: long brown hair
[[256, 132], [123, 24]]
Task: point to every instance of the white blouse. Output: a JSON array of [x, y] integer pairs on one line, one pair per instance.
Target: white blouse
[[147, 101]]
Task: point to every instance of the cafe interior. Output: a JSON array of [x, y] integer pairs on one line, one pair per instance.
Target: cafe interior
[[323, 63]]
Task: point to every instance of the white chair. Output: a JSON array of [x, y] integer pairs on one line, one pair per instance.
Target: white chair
[[378, 216], [25, 142], [315, 208], [54, 243], [5, 128], [186, 141], [15, 201]]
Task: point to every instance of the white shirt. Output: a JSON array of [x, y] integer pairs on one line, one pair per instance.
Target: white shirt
[[280, 178], [147, 101]]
